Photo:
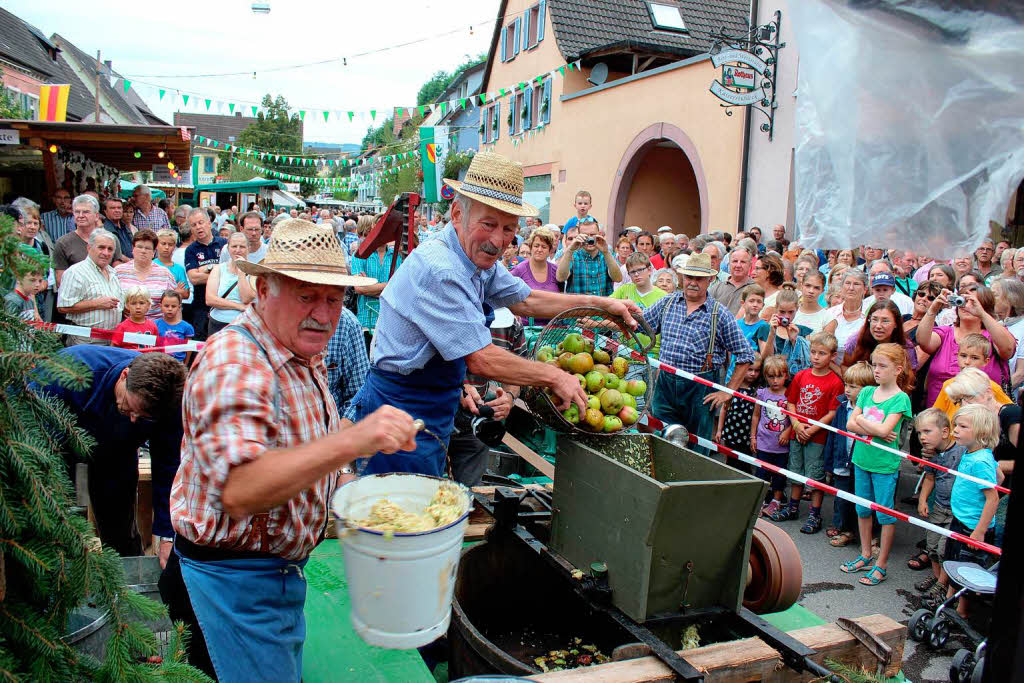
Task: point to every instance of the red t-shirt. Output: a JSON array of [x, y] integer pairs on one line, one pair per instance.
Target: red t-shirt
[[815, 396], [657, 262], [147, 327]]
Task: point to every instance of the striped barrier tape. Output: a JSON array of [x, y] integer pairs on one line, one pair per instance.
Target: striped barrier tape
[[655, 423], [144, 340]]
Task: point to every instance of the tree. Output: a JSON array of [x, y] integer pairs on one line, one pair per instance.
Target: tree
[[432, 89], [50, 560], [276, 129], [9, 108]]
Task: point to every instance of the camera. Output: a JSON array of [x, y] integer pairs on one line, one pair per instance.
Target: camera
[[784, 321], [482, 426], [957, 300], [591, 241]]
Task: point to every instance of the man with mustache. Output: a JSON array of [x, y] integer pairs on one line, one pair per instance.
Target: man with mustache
[[697, 333], [263, 451], [435, 313]]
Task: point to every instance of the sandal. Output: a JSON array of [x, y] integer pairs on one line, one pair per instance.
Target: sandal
[[920, 561], [831, 531], [842, 539], [870, 579], [852, 568], [925, 584]]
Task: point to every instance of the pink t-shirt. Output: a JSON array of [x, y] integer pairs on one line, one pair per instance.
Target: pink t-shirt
[[158, 280], [944, 365]]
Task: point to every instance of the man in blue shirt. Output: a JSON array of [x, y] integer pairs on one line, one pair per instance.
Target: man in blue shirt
[[435, 312], [697, 334], [132, 397], [202, 255]]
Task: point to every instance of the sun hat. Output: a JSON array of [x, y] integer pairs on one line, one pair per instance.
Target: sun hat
[[308, 252], [883, 280], [699, 265], [497, 181]]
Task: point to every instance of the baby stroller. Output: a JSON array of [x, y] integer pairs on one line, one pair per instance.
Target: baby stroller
[[933, 627]]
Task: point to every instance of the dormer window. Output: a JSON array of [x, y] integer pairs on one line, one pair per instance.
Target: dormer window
[[667, 17]]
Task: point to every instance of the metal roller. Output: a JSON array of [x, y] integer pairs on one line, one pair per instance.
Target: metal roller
[[775, 572]]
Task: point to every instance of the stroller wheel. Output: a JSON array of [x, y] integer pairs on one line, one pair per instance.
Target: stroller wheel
[[917, 626], [979, 668], [938, 632], [962, 666]]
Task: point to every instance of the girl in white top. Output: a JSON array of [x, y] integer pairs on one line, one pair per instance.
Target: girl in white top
[[811, 313], [848, 317]]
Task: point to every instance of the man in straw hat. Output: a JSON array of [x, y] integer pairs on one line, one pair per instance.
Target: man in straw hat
[[435, 312], [696, 333], [260, 459]]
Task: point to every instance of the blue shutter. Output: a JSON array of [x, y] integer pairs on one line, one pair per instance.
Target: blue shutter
[[540, 20], [526, 31], [528, 102], [504, 32], [546, 97], [516, 36]]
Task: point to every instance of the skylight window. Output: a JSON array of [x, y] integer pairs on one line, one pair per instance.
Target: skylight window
[[666, 17]]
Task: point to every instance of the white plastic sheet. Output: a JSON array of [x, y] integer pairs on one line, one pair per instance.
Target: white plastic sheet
[[910, 123]]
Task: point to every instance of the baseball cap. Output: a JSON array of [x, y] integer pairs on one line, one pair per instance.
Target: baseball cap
[[883, 280], [665, 228], [633, 228]]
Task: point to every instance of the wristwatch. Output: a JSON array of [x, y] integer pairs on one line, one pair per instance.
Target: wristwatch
[[347, 469], [164, 539]]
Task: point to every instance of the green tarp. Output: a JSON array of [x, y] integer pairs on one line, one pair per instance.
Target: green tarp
[[127, 187], [247, 186]]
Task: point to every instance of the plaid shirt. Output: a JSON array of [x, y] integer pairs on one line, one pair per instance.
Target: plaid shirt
[[154, 220], [239, 402], [350, 240], [346, 359], [55, 225], [685, 338], [588, 275], [380, 270]]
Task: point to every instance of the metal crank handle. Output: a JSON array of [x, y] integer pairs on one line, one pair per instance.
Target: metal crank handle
[[648, 331], [420, 425]]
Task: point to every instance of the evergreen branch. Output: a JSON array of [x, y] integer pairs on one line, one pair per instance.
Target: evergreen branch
[[25, 556]]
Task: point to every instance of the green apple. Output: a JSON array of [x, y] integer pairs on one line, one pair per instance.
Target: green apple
[[582, 379], [612, 423], [563, 360], [601, 356], [619, 366], [572, 414], [573, 343], [628, 400], [611, 402], [543, 356], [628, 415], [593, 402], [588, 344], [595, 381], [611, 380], [637, 387]]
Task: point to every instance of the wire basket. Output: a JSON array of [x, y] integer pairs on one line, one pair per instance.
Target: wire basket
[[594, 332]]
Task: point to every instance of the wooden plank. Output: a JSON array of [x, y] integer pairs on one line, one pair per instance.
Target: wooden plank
[[751, 659], [520, 449]]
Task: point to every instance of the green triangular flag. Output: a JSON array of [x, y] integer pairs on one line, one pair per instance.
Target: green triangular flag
[[254, 110], [483, 98], [127, 85], [207, 104], [231, 107], [185, 99], [522, 85], [373, 114], [561, 69], [326, 114], [351, 114], [421, 108], [501, 93], [462, 102], [302, 114], [162, 93]]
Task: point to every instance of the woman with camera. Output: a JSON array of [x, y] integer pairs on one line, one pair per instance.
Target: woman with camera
[[975, 309]]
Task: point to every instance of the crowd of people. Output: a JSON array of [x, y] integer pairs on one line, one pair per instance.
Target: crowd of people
[[906, 351]]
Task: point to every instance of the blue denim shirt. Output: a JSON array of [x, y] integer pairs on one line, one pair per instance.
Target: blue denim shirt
[[837, 451]]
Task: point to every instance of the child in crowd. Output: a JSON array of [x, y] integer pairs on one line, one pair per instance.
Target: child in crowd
[[974, 505], [22, 300], [879, 414], [750, 323], [136, 303], [170, 324], [811, 313], [582, 203], [167, 242], [770, 430], [974, 352], [640, 289], [792, 342], [813, 393], [937, 445], [734, 420], [838, 452]]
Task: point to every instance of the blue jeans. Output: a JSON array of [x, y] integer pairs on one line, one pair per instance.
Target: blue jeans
[[876, 487], [251, 615], [843, 517], [681, 401]]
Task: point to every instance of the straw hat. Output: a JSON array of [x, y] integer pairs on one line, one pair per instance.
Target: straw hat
[[496, 181], [699, 265], [308, 252]]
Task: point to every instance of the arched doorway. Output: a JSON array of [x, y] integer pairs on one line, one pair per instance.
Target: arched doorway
[[660, 181]]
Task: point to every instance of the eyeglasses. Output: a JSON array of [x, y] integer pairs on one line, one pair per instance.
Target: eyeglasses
[[638, 271], [925, 295]]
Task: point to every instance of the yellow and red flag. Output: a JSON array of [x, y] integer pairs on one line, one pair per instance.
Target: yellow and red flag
[[53, 102]]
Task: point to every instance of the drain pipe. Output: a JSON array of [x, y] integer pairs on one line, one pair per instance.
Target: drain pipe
[[745, 161]]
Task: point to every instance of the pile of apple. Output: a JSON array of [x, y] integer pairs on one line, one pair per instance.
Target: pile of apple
[[611, 400]]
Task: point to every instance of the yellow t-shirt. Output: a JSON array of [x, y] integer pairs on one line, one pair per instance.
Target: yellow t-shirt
[[949, 408]]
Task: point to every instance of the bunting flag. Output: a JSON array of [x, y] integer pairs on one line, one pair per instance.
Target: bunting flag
[[185, 97], [127, 85], [53, 102], [162, 93]]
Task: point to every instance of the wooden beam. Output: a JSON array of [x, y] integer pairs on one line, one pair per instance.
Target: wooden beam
[[520, 449], [647, 63], [751, 659]]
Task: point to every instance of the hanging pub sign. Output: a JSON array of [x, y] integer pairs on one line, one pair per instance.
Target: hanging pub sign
[[738, 77]]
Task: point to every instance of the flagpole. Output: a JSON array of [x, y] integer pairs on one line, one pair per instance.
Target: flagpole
[[97, 88]]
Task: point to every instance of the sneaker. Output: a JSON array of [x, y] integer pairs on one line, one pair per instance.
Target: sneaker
[[812, 525], [770, 509], [784, 514]]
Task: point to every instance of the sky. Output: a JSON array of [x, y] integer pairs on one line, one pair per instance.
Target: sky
[[166, 46]]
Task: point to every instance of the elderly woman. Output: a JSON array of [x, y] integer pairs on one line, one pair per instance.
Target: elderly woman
[[665, 279], [1006, 262], [976, 316], [143, 271], [770, 273], [849, 314], [1009, 310], [228, 291]]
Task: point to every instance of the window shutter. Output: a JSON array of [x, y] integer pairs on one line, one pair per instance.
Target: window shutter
[[540, 20], [526, 30], [504, 34], [497, 120], [515, 37], [528, 104], [547, 98]]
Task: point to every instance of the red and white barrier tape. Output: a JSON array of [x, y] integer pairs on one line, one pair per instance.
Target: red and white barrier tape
[[655, 423], [857, 437], [166, 344]]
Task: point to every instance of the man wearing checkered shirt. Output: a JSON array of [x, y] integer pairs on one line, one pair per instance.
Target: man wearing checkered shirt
[[588, 264], [147, 214]]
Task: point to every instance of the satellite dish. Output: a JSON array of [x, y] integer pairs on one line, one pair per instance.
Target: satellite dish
[[598, 74]]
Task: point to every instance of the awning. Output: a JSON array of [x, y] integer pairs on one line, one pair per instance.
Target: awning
[[286, 198], [127, 187], [246, 186]]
